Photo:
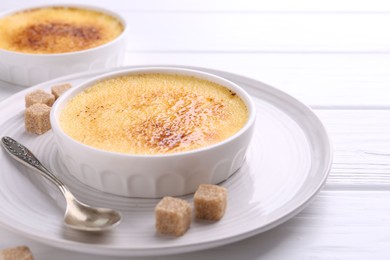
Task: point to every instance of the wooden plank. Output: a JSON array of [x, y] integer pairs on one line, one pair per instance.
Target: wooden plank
[[251, 32], [8, 89], [233, 5], [262, 6], [361, 143], [319, 80]]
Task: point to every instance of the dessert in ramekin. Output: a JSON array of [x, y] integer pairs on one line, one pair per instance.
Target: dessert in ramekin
[[39, 43]]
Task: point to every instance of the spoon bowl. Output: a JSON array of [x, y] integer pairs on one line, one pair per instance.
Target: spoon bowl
[[78, 215], [83, 217]]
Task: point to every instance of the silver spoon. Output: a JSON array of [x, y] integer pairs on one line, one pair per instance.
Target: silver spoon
[[78, 215]]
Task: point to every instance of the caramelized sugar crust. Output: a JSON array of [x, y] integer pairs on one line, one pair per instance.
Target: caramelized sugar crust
[[57, 30], [153, 114]]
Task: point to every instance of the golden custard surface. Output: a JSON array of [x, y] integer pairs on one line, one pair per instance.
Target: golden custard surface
[[153, 114], [57, 30]]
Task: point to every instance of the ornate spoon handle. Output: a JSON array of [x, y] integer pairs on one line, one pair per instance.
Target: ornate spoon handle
[[20, 153]]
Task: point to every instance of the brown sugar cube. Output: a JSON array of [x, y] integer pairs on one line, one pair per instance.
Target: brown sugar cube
[[210, 202], [16, 253], [37, 118], [39, 97], [173, 216], [58, 90]]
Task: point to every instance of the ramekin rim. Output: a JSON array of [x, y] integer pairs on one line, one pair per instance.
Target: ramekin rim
[[85, 84]]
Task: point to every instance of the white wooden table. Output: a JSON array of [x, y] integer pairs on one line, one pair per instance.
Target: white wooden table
[[332, 55]]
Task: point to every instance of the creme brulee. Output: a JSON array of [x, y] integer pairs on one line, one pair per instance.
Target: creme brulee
[[57, 30], [153, 114]]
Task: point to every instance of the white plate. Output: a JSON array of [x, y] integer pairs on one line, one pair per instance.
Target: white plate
[[287, 164]]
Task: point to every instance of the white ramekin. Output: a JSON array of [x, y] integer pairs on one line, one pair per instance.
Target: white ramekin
[[153, 176], [29, 69]]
